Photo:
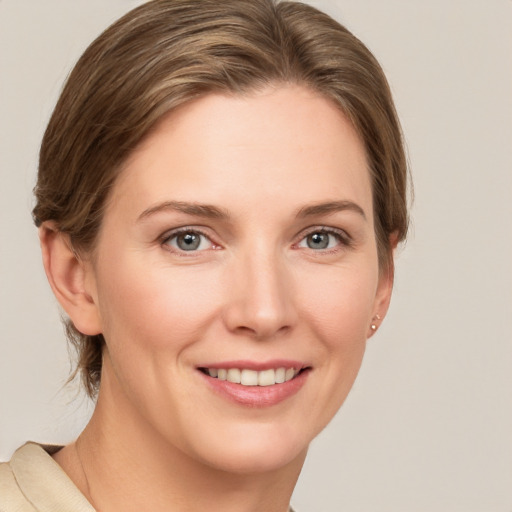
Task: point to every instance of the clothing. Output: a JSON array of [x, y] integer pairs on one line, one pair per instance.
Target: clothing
[[33, 481]]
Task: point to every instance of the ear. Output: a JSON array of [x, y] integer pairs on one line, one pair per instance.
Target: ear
[[384, 289], [68, 274]]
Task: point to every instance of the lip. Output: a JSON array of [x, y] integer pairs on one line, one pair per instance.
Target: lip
[[257, 396], [257, 366]]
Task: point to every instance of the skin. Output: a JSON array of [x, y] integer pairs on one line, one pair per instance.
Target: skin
[[254, 290]]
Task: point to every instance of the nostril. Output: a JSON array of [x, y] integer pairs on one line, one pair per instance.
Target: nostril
[[262, 331]]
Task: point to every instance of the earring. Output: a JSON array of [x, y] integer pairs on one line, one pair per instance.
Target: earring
[[373, 326]]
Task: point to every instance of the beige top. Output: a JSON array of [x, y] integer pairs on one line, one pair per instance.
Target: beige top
[[33, 481]]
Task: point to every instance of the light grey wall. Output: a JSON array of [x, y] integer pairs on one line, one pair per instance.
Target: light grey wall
[[428, 426]]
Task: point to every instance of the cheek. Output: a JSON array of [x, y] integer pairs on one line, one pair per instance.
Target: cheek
[[340, 302], [155, 308], [339, 312]]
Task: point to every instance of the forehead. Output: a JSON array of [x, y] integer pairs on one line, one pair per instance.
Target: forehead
[[285, 143]]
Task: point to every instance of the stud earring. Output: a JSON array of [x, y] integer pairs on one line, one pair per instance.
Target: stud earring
[[373, 326]]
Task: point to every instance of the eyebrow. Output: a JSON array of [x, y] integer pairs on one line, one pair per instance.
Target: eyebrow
[[196, 209], [214, 212], [330, 207]]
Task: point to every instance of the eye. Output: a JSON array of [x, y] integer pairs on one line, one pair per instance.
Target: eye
[[323, 239], [188, 240]]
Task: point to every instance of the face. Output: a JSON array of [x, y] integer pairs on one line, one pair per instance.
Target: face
[[238, 245]]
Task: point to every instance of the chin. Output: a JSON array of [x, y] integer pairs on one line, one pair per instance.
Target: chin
[[253, 450]]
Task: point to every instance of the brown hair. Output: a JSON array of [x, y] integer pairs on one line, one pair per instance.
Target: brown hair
[[167, 52]]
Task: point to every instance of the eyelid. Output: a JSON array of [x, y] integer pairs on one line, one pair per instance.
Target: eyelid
[[170, 234], [344, 237]]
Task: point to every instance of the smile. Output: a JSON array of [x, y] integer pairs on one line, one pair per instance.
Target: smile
[[256, 384], [247, 377]]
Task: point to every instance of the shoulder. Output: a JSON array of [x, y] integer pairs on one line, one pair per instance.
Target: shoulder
[[11, 497], [33, 481]]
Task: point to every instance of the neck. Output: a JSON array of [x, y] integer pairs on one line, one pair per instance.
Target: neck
[[126, 465]]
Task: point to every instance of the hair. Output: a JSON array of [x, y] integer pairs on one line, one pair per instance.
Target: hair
[[168, 52]]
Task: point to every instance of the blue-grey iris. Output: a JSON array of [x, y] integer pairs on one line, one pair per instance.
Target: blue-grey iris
[[318, 240], [188, 241]]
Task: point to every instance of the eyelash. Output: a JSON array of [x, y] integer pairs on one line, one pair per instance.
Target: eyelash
[[167, 237], [341, 236]]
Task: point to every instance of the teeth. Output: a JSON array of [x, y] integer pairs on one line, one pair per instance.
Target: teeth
[[267, 378], [290, 373], [249, 378], [253, 378], [234, 375]]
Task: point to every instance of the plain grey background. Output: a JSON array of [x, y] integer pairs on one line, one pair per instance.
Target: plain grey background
[[428, 425]]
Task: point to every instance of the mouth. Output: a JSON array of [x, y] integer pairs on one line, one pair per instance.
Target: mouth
[[253, 378], [253, 384]]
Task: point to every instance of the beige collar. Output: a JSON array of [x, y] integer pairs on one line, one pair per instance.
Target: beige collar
[[43, 482]]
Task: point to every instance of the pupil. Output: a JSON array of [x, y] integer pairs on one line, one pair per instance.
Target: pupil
[[188, 241], [318, 241]]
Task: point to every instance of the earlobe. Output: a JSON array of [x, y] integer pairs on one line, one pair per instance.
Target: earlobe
[[384, 290], [66, 273], [382, 300]]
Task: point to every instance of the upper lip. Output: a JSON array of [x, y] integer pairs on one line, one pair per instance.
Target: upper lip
[[257, 365]]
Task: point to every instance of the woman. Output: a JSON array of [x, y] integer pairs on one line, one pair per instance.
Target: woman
[[220, 190]]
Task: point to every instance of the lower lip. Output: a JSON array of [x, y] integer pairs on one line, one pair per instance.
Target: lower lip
[[257, 396]]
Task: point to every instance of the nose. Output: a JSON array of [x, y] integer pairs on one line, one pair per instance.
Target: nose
[[260, 298]]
